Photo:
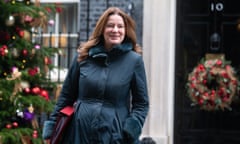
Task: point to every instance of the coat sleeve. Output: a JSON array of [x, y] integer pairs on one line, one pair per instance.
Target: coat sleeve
[[67, 97], [140, 102]]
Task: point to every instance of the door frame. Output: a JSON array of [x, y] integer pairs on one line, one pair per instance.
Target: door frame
[[159, 21]]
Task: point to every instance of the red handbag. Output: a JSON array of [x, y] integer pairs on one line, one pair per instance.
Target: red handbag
[[63, 120], [65, 114]]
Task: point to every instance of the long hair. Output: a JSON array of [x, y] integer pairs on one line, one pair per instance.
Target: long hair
[[97, 35]]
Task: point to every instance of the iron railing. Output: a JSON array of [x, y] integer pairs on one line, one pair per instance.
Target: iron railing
[[66, 43]]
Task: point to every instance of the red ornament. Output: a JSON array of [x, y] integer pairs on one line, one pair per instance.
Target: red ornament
[[204, 81], [21, 33], [33, 71], [34, 135], [192, 85], [36, 90], [44, 94], [4, 37], [35, 132], [213, 92], [28, 18], [58, 8], [47, 60], [8, 126], [219, 62], [27, 90], [15, 124], [201, 67], [48, 9], [3, 50], [24, 52], [200, 101], [225, 99], [234, 82]]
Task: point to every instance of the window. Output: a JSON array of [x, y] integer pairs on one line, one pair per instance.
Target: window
[[63, 35]]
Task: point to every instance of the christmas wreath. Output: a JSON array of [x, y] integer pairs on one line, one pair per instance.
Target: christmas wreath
[[212, 84]]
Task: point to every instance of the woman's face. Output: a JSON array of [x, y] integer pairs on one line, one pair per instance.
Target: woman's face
[[114, 31]]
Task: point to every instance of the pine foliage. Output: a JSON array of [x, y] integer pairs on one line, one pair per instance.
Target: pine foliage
[[25, 87]]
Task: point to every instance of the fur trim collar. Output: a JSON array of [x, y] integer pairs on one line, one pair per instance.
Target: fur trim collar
[[100, 51]]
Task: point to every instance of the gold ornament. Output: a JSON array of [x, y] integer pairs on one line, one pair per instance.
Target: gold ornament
[[57, 91], [13, 37], [25, 84], [37, 3], [33, 51], [6, 51], [210, 56], [27, 35], [15, 52], [1, 142], [35, 124], [17, 87], [1, 97], [15, 74], [41, 21], [31, 108], [28, 2], [46, 69], [26, 139]]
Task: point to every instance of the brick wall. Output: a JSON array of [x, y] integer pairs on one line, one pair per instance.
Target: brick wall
[[90, 10]]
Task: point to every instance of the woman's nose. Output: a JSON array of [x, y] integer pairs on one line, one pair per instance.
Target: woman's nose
[[115, 28]]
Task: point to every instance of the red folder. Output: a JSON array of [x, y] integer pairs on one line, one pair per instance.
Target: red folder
[[68, 110]]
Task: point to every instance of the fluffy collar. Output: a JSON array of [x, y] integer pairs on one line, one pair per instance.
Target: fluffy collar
[[100, 51]]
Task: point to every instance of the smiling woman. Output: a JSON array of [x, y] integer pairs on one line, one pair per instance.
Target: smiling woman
[[114, 32], [111, 101]]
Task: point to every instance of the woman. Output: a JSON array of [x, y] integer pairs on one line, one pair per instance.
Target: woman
[[112, 100]]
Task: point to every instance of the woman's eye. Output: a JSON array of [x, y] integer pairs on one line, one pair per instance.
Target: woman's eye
[[110, 26], [120, 26], [113, 26]]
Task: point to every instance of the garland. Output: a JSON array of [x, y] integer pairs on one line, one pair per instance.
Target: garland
[[212, 84]]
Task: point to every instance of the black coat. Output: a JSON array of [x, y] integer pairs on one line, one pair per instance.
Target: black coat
[[112, 102]]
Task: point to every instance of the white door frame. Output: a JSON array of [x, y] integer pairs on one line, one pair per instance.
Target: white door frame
[[159, 18]]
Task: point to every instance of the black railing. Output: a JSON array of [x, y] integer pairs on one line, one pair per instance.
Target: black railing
[[66, 43]]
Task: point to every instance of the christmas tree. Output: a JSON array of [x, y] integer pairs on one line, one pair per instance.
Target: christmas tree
[[25, 88]]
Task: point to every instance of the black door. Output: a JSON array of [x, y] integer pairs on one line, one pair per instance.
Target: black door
[[205, 26]]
